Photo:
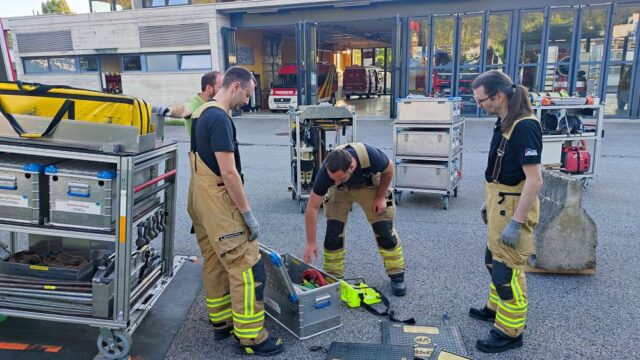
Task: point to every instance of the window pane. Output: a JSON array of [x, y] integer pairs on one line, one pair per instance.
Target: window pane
[[467, 76], [367, 57], [380, 58], [441, 81], [560, 36], [100, 5], [417, 81], [594, 21], [470, 38], [625, 23], [528, 77], [123, 4], [497, 39], [62, 65], [419, 39], [36, 66], [195, 61], [164, 62], [178, 2], [531, 37], [618, 85], [153, 3], [443, 40], [131, 63], [88, 63], [588, 79], [357, 57]]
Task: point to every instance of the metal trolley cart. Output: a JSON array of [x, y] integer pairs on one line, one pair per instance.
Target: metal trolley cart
[[563, 130], [308, 127], [428, 140], [128, 263]]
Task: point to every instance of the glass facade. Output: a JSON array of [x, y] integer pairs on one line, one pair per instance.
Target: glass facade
[[584, 50]]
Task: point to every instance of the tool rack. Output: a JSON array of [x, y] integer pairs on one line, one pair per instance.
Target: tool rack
[[308, 126], [592, 132], [130, 303]]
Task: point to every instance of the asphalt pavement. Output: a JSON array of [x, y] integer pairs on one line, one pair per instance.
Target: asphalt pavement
[[570, 316]]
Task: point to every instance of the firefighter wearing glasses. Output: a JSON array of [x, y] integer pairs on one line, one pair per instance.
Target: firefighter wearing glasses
[[511, 210], [362, 174]]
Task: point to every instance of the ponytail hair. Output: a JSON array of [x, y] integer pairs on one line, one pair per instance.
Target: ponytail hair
[[518, 103]]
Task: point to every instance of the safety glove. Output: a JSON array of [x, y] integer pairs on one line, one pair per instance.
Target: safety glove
[[160, 110], [252, 223], [483, 213], [511, 233]]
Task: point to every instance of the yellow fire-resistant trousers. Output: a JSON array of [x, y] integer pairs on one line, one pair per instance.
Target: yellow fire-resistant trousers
[[508, 289], [233, 273]]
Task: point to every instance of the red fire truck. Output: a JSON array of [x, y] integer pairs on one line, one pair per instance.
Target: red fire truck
[[284, 91]]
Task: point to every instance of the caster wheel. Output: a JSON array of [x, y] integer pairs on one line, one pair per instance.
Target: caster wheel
[[398, 197], [293, 195], [303, 206], [445, 202], [116, 348], [455, 192]]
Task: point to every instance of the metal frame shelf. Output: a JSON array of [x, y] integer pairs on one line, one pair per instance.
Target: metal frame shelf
[[596, 122], [130, 304]]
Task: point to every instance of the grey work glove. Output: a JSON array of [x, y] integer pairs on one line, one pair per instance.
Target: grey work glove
[[483, 213], [160, 110], [511, 233], [252, 223]]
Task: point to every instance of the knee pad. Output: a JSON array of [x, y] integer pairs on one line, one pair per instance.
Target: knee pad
[[501, 277], [384, 234], [334, 238], [259, 277]]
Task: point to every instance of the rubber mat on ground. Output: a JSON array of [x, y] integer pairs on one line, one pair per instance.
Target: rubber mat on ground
[[357, 351], [427, 341]]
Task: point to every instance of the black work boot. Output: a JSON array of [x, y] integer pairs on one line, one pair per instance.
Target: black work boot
[[484, 314], [271, 346], [221, 331], [397, 284], [497, 341]]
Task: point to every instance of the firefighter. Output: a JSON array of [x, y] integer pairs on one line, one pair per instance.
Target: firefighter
[[226, 229], [511, 210], [362, 174]]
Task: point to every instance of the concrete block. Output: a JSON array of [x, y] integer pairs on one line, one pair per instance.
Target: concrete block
[[566, 237]]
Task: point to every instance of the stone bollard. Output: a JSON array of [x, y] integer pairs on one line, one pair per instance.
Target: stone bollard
[[566, 236]]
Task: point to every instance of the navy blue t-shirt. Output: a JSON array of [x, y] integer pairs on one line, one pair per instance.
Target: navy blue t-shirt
[[378, 162], [215, 132], [524, 147]]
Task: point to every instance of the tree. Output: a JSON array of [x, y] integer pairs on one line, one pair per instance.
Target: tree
[[56, 7]]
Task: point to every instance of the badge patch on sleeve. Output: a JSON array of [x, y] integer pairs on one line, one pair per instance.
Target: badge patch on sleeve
[[530, 152], [231, 235]]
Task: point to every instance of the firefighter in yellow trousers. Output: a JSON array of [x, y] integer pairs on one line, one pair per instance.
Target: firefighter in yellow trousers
[[511, 210], [355, 173], [226, 229]]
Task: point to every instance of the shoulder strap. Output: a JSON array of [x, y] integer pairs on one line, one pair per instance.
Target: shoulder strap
[[497, 165], [209, 104], [387, 312], [361, 153]]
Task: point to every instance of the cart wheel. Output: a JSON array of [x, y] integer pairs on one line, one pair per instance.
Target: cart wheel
[[293, 194], [303, 206], [398, 197], [585, 183], [445, 202], [116, 347], [455, 192]]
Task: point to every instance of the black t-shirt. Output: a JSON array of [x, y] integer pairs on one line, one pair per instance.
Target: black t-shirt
[[378, 162], [215, 132], [524, 147]]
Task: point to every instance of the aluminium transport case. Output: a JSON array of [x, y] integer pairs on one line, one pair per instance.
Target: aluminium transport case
[[440, 142], [429, 110], [304, 313], [24, 194]]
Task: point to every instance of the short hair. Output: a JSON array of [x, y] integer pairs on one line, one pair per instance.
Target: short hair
[[209, 78], [239, 74], [338, 160]]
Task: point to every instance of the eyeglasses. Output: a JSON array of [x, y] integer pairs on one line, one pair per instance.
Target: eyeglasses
[[479, 102]]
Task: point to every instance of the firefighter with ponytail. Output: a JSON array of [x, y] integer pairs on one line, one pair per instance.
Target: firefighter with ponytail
[[511, 210]]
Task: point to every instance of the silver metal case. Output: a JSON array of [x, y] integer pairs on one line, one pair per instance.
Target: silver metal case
[[429, 142], [429, 110], [316, 310], [24, 196], [430, 175]]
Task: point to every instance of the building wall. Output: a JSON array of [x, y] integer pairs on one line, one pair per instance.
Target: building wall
[[89, 81], [162, 88]]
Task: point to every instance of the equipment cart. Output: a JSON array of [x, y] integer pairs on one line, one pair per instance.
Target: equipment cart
[[428, 140], [570, 130], [308, 126], [120, 221]]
